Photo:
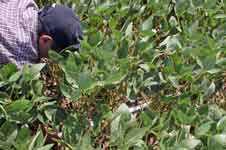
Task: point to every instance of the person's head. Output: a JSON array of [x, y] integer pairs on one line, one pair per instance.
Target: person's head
[[58, 28]]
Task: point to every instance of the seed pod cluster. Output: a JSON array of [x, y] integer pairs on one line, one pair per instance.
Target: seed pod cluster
[[51, 76], [219, 96]]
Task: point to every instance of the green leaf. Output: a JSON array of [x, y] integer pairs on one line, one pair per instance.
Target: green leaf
[[191, 143], [174, 81], [85, 142], [49, 113], [54, 56], [37, 140], [115, 78], [7, 70], [19, 105], [46, 147], [5, 145], [15, 76], [173, 21], [220, 16], [221, 125], [123, 109], [32, 72], [85, 81], [214, 71], [129, 30], [215, 112], [134, 136], [183, 118], [210, 90], [147, 24], [23, 135], [94, 38], [220, 139], [203, 129], [7, 129], [69, 91], [116, 129], [36, 68], [23, 138]]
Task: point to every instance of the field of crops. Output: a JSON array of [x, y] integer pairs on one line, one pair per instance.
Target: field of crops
[[150, 75]]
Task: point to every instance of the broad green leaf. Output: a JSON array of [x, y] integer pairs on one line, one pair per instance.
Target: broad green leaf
[[147, 24], [69, 91], [134, 136], [32, 72], [203, 129], [95, 38], [5, 145], [191, 143], [85, 142], [7, 129], [115, 78], [116, 129], [85, 81], [220, 139], [183, 118], [15, 76], [221, 125], [19, 105], [23, 138], [7, 70], [123, 108]]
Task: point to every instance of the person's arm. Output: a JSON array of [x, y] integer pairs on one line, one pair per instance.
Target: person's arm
[[29, 23]]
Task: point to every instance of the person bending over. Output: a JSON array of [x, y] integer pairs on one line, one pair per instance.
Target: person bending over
[[26, 33]]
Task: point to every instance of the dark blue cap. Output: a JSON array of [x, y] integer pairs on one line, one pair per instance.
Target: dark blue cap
[[61, 23]]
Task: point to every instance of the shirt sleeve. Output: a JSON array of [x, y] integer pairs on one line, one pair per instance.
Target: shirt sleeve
[[29, 22], [18, 32]]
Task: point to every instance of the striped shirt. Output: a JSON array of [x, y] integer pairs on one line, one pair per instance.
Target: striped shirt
[[18, 32]]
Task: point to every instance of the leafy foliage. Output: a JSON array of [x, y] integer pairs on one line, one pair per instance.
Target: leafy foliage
[[164, 58]]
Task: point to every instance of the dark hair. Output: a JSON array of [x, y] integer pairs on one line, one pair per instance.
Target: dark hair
[[61, 23], [41, 32]]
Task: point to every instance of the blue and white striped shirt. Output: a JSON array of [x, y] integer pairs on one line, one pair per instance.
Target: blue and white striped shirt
[[18, 32]]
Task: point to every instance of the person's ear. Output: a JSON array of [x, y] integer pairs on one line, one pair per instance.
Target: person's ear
[[45, 43], [46, 40]]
